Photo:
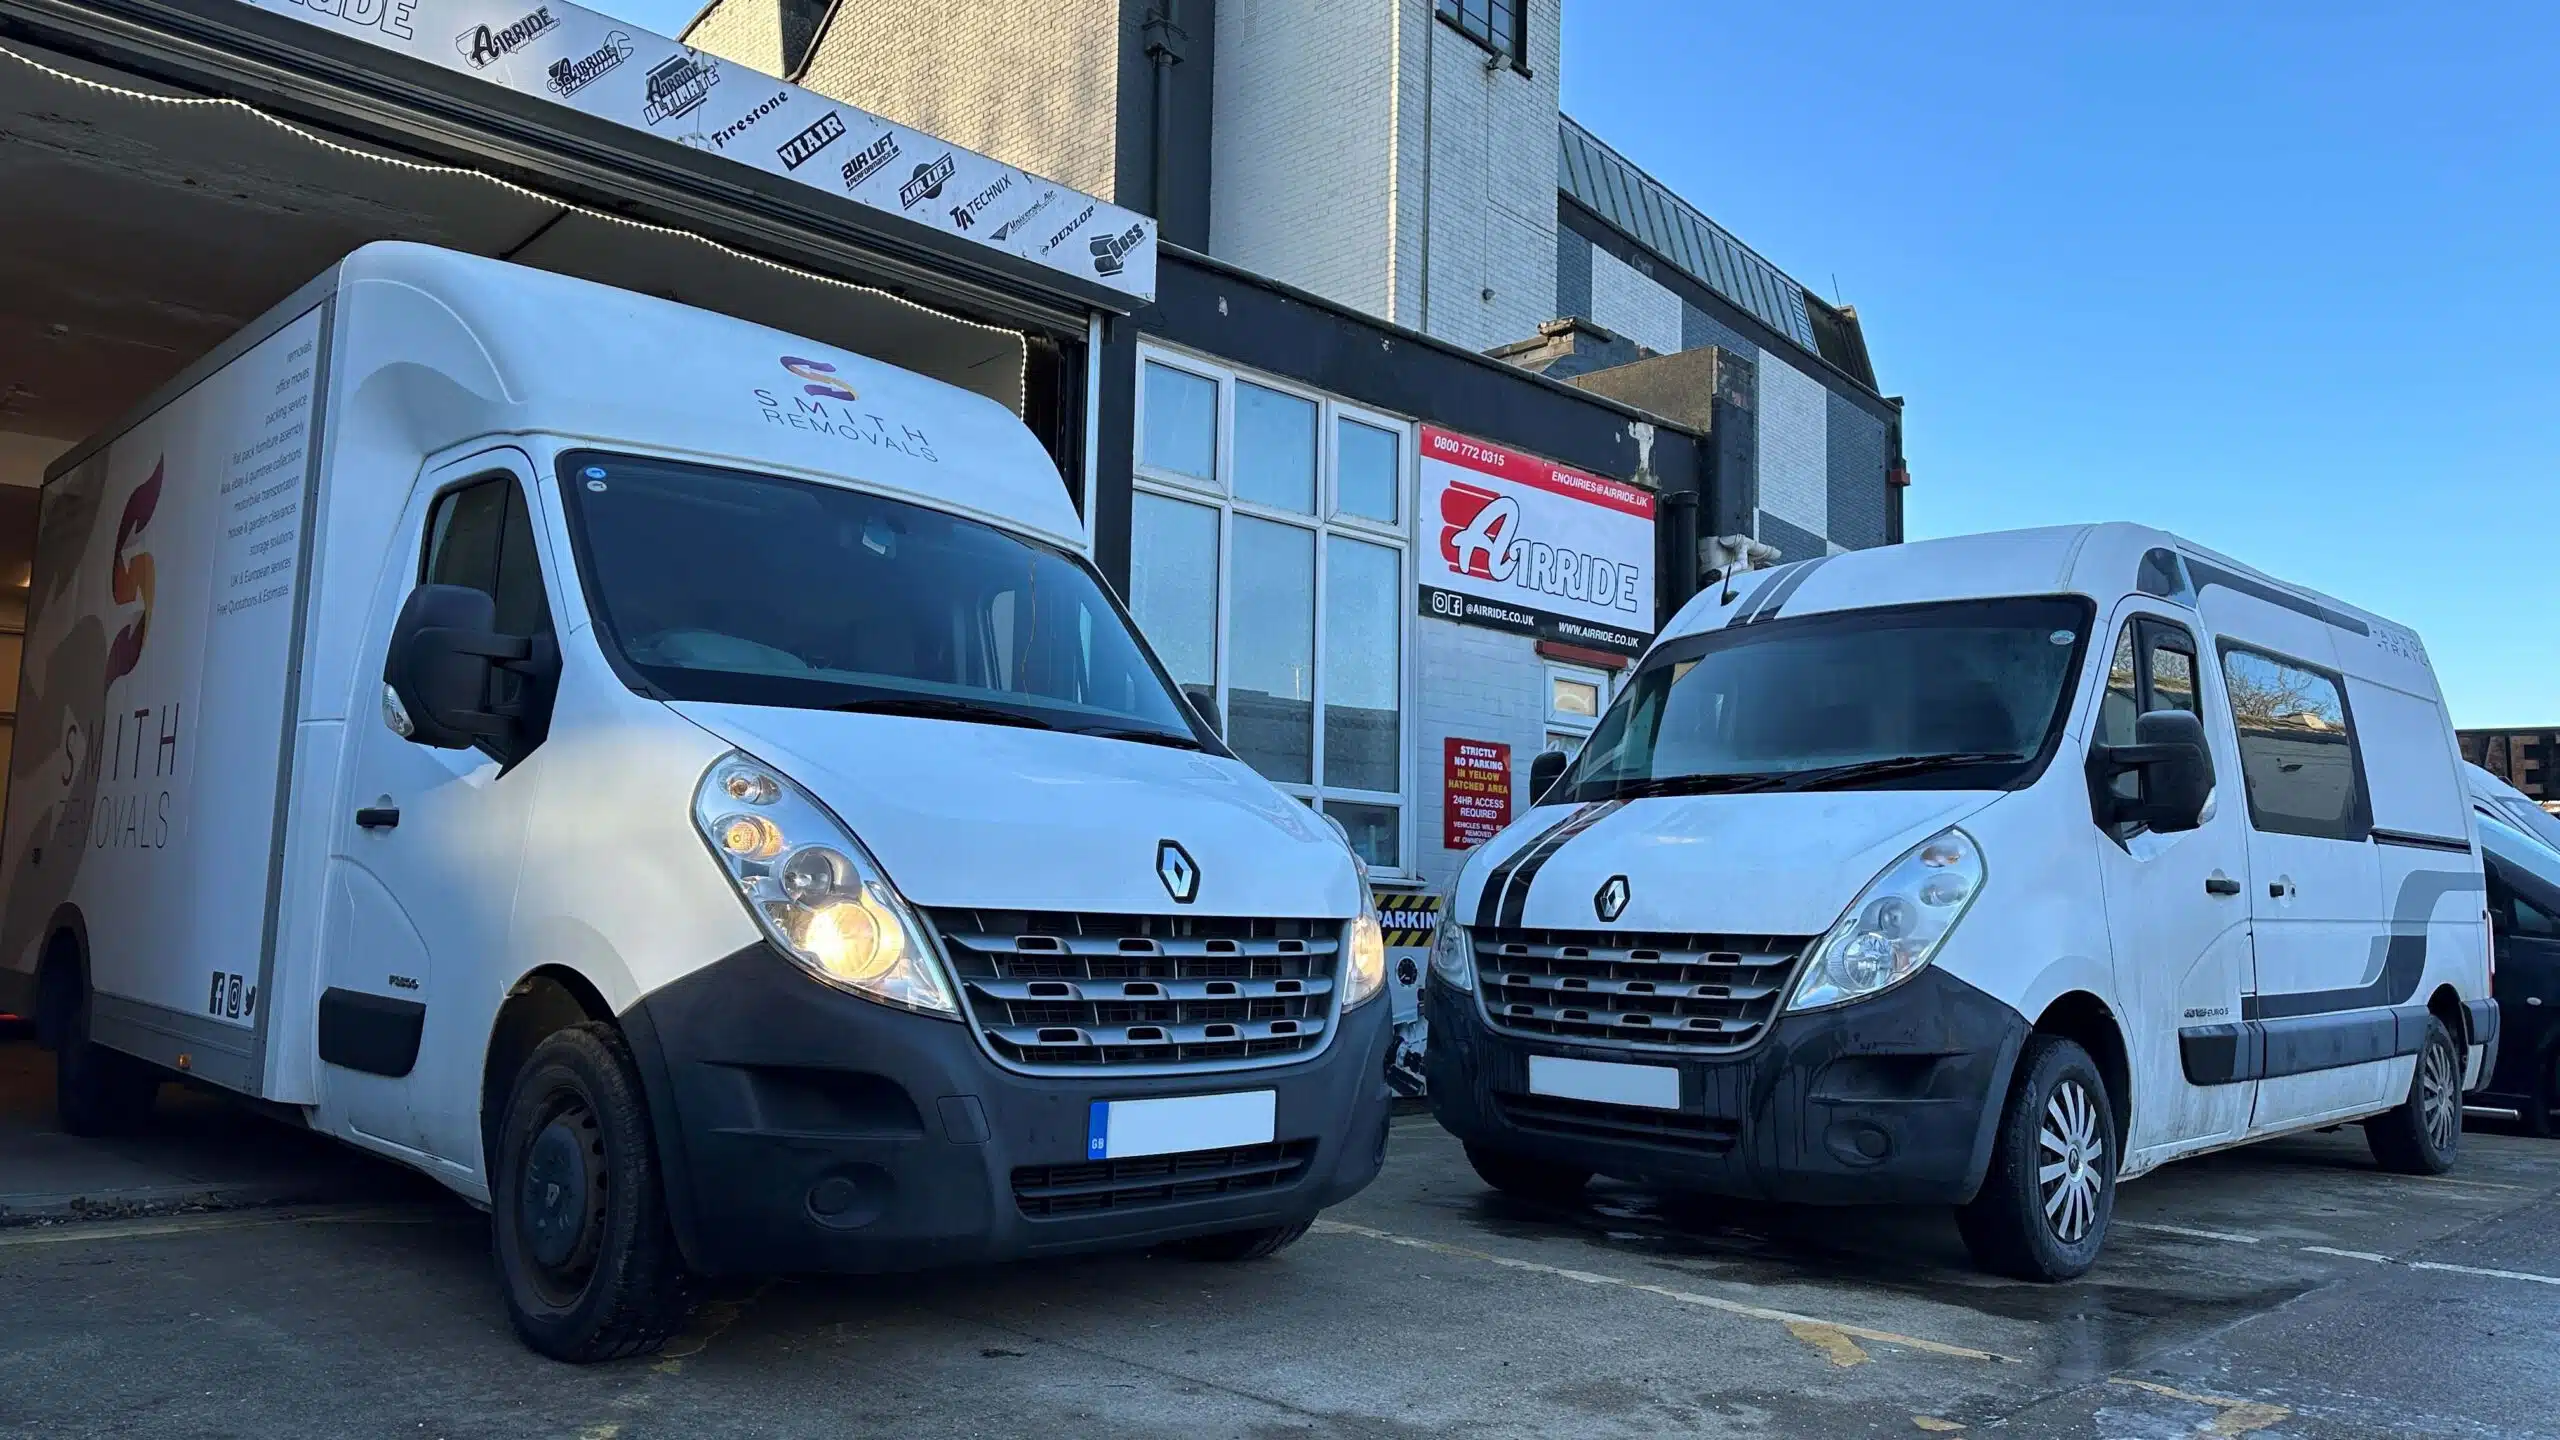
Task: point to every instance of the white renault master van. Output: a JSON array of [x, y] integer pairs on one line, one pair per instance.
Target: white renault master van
[[1986, 872], [679, 785]]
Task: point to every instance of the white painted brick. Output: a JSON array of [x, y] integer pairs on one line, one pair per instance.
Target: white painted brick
[[1795, 429], [1633, 303], [1476, 684], [1301, 161]]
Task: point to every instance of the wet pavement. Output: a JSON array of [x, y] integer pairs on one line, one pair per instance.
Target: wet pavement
[[2284, 1290]]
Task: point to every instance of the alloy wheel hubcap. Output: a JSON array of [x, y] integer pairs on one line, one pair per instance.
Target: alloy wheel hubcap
[[2073, 1174], [2438, 1100]]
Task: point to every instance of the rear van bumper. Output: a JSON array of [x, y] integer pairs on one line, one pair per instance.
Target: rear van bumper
[[1890, 1100], [804, 1129]]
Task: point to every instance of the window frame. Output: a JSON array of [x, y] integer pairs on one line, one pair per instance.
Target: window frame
[[2145, 628], [1324, 523], [1514, 48], [525, 490], [2360, 813]]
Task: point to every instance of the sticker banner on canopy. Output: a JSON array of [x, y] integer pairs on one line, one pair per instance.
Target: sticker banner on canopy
[[1526, 544], [616, 71]]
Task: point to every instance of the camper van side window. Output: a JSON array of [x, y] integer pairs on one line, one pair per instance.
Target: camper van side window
[[2297, 747]]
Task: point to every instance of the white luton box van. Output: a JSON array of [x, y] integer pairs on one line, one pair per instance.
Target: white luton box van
[[679, 785], [1985, 872]]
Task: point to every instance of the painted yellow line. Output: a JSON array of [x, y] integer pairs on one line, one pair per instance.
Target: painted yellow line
[[2232, 1417], [1788, 1318], [84, 1231]]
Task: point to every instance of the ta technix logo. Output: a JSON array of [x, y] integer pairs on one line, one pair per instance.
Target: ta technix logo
[[678, 85], [568, 76], [927, 182], [819, 378], [1179, 872], [482, 46], [1111, 250], [804, 147], [873, 159], [965, 214], [129, 574]]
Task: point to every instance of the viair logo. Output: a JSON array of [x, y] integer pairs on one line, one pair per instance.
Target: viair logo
[[678, 85], [927, 182], [568, 76], [803, 147], [482, 46], [1110, 250], [873, 159], [721, 137], [966, 213]]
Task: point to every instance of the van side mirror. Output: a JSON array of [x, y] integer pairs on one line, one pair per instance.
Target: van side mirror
[[1544, 772], [444, 650], [2169, 753]]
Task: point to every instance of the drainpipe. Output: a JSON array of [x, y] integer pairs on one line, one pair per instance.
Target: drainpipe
[[1164, 37]]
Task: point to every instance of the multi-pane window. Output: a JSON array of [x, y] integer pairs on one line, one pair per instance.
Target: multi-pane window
[[2297, 748], [1500, 26], [2154, 669], [1267, 567]]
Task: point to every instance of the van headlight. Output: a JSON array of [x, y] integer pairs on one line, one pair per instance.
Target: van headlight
[[1453, 956], [1367, 973], [1897, 922], [813, 889]]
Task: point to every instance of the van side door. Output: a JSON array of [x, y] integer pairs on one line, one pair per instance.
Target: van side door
[[423, 869], [2177, 916], [2325, 1033]]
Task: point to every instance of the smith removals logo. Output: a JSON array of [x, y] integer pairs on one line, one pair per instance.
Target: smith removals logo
[[1480, 536], [927, 182], [804, 147], [875, 157], [678, 85], [482, 46], [567, 77], [129, 575]]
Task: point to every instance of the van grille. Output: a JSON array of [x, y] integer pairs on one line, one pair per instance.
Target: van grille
[[1143, 992], [1043, 1191], [1698, 993], [1626, 1124]]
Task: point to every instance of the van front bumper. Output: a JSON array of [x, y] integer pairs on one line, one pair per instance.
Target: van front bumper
[[803, 1129], [1891, 1100]]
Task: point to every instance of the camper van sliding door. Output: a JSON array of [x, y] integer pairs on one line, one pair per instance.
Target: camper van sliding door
[[162, 661]]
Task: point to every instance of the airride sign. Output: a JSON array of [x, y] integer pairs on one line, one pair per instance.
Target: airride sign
[[1534, 547]]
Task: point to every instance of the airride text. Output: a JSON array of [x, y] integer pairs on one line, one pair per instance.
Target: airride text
[[844, 423], [133, 748]]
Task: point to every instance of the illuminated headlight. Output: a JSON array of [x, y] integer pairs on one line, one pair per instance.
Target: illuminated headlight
[[1897, 922], [1453, 956], [1367, 974], [813, 889]]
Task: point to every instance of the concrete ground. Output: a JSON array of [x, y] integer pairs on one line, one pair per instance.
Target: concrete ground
[[2284, 1290]]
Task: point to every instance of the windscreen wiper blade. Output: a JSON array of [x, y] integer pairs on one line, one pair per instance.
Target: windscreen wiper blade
[[1739, 784], [1167, 738], [1891, 766], [938, 707]]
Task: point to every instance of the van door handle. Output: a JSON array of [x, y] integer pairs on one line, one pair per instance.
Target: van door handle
[[2218, 883], [378, 817]]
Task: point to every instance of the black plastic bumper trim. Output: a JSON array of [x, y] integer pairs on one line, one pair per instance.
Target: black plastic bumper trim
[[377, 1034]]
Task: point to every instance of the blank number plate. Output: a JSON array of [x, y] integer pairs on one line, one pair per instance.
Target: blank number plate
[[1117, 1129], [1655, 1087]]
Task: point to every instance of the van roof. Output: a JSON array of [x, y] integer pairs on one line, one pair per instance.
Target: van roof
[[519, 350]]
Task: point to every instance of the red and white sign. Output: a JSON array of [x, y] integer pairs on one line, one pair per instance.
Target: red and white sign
[[1477, 780], [1529, 545]]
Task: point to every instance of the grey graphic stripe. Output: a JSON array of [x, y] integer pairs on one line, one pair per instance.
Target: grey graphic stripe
[[1785, 590], [1516, 899]]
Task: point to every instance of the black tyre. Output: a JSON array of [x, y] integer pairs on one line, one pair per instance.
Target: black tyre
[[2043, 1208], [586, 1258], [1539, 1180], [2423, 1133], [1241, 1244], [96, 1091]]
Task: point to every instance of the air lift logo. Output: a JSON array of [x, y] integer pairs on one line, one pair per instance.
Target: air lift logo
[[129, 576], [482, 46], [567, 76], [800, 149], [927, 182], [820, 379], [1110, 250], [678, 85], [873, 159]]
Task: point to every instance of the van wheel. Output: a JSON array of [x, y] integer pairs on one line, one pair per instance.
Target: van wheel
[[585, 1254], [1241, 1244], [96, 1091], [2422, 1134], [2043, 1208], [1539, 1180]]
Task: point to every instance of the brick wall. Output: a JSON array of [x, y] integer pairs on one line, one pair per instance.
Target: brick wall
[[1476, 684], [748, 32], [1795, 434], [1854, 456], [1489, 173], [1301, 151], [1634, 304]]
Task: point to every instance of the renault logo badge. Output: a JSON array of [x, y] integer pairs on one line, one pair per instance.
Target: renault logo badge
[[1179, 872], [1611, 902]]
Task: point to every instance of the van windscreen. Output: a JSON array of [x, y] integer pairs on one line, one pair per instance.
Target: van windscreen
[[1967, 694], [729, 587]]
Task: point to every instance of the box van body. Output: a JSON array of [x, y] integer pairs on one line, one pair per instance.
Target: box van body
[[1868, 839], [468, 657]]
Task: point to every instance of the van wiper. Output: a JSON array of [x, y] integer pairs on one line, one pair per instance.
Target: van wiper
[[1734, 784], [1166, 738], [938, 707], [1891, 766]]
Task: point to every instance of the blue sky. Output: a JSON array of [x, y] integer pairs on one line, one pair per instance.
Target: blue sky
[[2279, 276]]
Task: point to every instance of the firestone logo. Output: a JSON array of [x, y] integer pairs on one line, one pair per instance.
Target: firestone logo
[[819, 378], [129, 577]]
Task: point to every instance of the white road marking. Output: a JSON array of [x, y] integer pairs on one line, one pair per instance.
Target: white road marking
[[2492, 1274], [2347, 1254], [2222, 1235], [1788, 1318]]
